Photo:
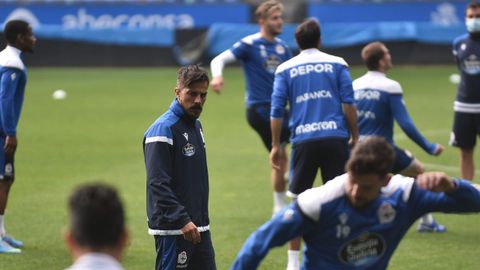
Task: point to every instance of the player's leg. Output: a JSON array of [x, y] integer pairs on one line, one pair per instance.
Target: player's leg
[[304, 166], [173, 252], [467, 164], [258, 118], [7, 175], [204, 255], [463, 136], [332, 166]]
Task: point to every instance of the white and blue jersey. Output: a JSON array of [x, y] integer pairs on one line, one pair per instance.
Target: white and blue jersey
[[337, 236], [466, 50], [260, 58], [315, 85], [13, 78], [379, 102]]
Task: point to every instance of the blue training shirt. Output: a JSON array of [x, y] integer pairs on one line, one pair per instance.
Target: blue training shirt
[[260, 58], [13, 79], [337, 236], [466, 50], [379, 101], [315, 85]]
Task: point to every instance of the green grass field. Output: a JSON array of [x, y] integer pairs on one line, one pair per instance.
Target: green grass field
[[96, 134]]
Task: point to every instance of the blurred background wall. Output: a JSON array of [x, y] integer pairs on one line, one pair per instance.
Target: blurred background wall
[[173, 32]]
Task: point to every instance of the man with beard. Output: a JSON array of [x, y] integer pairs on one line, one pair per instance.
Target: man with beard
[[466, 124], [260, 55], [177, 178], [13, 78], [357, 220]]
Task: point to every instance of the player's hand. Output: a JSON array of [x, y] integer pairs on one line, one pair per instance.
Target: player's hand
[[435, 182], [10, 144], [190, 233], [217, 84], [352, 141], [276, 156], [438, 149]]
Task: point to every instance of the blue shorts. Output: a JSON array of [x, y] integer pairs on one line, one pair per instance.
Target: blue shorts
[[466, 128], [403, 159], [7, 169], [174, 252], [330, 155], [258, 117]]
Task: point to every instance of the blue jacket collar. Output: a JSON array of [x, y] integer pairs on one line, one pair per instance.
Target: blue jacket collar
[[176, 108]]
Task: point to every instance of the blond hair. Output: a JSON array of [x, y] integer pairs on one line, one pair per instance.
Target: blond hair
[[266, 8]]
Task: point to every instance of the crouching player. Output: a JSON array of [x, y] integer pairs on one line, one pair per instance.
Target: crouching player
[[356, 220]]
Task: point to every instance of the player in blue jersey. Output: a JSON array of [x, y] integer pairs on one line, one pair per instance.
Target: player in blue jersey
[[13, 78], [357, 220], [177, 178], [466, 124], [260, 54], [379, 103], [318, 88]]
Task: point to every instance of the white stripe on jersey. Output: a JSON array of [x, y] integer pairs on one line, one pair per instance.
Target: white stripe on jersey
[[175, 232], [466, 107], [159, 139], [374, 80], [310, 201], [310, 56], [399, 182]]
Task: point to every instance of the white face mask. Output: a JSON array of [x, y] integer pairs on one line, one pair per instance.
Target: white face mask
[[473, 25]]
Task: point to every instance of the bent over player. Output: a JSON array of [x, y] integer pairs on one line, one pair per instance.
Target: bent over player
[[357, 220]]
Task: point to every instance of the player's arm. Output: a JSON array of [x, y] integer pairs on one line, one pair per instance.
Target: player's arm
[[286, 225], [8, 86], [348, 104], [436, 191], [279, 100], [405, 122], [159, 166], [216, 67]]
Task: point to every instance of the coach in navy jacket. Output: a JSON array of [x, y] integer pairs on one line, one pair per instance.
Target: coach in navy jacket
[[177, 178]]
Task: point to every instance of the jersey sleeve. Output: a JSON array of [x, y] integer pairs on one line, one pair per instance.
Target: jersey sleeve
[[286, 225], [403, 119], [345, 84], [465, 199], [8, 86], [279, 95], [240, 50], [162, 203]]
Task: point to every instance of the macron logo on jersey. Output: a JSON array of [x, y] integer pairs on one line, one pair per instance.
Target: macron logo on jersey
[[367, 94], [308, 68], [313, 127], [313, 95]]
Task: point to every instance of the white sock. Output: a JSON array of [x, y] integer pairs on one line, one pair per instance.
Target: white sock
[[293, 260], [427, 219], [279, 201], [2, 226]]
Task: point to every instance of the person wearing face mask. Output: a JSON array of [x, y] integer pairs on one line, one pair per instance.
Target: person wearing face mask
[[466, 124]]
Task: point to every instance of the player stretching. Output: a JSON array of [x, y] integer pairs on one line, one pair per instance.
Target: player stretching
[[260, 55], [380, 101]]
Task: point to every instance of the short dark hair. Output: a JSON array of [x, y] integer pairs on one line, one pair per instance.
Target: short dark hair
[[473, 4], [188, 75], [265, 8], [308, 34], [14, 28], [97, 217], [373, 155], [372, 53]]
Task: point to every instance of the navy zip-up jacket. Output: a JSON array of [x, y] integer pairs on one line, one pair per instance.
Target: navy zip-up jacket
[[177, 175]]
